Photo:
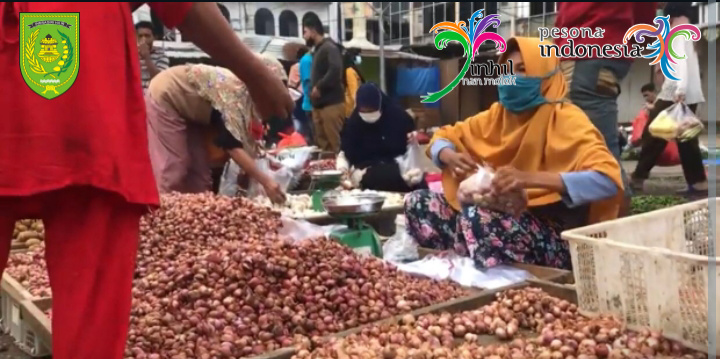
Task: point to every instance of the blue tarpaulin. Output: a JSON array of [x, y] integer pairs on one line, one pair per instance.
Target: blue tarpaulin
[[417, 81]]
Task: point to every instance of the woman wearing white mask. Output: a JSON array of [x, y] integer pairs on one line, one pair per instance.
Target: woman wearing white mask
[[373, 136]]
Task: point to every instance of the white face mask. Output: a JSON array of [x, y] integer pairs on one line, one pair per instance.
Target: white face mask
[[370, 117], [358, 60]]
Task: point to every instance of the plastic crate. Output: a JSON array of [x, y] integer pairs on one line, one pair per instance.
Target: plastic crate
[[651, 270], [36, 330]]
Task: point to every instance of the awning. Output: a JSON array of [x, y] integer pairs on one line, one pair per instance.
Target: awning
[[368, 49], [257, 43]]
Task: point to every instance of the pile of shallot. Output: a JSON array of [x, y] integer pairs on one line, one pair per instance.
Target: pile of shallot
[[320, 165], [214, 280], [515, 318], [29, 269]]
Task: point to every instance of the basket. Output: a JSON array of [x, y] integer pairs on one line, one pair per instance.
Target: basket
[[651, 270], [36, 335]]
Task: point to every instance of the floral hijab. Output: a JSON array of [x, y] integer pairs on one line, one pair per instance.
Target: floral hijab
[[230, 96]]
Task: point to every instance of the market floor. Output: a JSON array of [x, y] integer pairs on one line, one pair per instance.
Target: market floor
[[8, 349]]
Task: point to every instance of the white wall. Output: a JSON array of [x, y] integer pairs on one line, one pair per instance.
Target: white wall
[[702, 48], [324, 10], [630, 100]]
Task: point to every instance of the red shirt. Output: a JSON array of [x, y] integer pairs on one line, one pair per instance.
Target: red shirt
[[96, 132], [614, 17]]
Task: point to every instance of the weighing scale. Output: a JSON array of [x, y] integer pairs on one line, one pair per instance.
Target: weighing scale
[[351, 209], [320, 183]]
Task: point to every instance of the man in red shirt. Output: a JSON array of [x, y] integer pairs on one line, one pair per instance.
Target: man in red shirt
[[593, 82], [80, 161]]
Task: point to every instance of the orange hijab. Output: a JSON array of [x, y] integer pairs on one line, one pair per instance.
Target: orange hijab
[[554, 137]]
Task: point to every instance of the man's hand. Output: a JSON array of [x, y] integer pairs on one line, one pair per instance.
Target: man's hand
[[315, 94], [509, 179], [412, 136], [648, 106], [460, 163], [144, 51], [273, 191]]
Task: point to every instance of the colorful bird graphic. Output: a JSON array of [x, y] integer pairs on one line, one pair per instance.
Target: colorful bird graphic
[[470, 37], [662, 47]]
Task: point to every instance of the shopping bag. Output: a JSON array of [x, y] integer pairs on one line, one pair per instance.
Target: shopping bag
[[411, 163], [671, 154], [229, 180], [676, 122]]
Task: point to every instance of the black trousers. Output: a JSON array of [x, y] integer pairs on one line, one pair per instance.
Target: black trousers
[[653, 147]]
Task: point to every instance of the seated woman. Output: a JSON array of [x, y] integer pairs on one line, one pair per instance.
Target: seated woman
[[186, 104], [536, 143], [374, 135]]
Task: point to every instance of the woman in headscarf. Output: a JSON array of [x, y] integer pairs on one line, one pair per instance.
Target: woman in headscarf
[[351, 77], [374, 135], [189, 104], [537, 144]]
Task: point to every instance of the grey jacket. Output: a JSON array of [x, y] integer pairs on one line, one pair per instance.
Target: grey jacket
[[327, 68]]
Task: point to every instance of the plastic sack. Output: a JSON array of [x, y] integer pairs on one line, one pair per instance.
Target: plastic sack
[[462, 270], [283, 176], [401, 247], [229, 179], [473, 190], [411, 163], [676, 122], [671, 154]]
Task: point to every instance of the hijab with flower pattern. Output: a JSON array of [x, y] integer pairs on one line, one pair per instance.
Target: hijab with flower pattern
[[230, 96]]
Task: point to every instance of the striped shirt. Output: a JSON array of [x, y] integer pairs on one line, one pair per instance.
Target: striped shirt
[[160, 60]]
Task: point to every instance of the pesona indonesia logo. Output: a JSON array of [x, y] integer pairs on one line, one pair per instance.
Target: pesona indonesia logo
[[470, 36], [661, 50]]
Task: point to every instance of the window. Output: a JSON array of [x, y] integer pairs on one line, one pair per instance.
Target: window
[[264, 22], [550, 7], [348, 29], [288, 24], [224, 11], [536, 8]]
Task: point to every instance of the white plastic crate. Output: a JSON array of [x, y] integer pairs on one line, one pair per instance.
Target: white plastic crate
[[651, 270], [36, 335], [16, 321]]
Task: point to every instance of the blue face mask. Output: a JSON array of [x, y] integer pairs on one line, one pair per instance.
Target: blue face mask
[[524, 95]]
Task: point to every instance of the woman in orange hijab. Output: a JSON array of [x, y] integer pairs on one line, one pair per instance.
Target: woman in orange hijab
[[538, 145]]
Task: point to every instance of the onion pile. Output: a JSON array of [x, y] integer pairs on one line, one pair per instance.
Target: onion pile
[[320, 165], [214, 280], [29, 269], [28, 232], [564, 334]]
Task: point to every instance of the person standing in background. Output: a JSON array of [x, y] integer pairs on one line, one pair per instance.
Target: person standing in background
[[302, 118], [351, 78], [305, 69], [594, 83], [80, 162], [152, 59], [328, 92], [688, 91]]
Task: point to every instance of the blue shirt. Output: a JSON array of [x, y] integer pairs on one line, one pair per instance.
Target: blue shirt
[[305, 72], [582, 187]]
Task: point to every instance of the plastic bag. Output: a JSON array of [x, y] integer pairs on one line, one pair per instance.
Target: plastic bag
[[283, 176], [229, 180], [411, 164], [676, 122], [401, 247], [462, 270], [473, 190]]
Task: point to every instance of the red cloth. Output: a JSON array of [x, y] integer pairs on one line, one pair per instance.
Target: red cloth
[[671, 154], [614, 17], [91, 246], [293, 140], [93, 134]]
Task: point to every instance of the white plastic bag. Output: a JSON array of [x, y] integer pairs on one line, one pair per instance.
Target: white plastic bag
[[473, 190], [401, 247], [462, 270], [676, 122], [282, 176], [229, 180], [411, 163]]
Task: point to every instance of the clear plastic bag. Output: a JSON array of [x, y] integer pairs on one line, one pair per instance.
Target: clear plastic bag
[[474, 190], [229, 180], [462, 270], [676, 122], [283, 176], [411, 163], [401, 247]]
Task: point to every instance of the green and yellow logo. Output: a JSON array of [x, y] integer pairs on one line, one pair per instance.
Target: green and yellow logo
[[49, 51]]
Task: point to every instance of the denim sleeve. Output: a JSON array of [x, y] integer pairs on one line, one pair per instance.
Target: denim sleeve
[[438, 146], [587, 186]]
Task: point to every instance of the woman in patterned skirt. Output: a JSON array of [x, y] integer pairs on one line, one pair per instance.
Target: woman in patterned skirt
[[540, 146]]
